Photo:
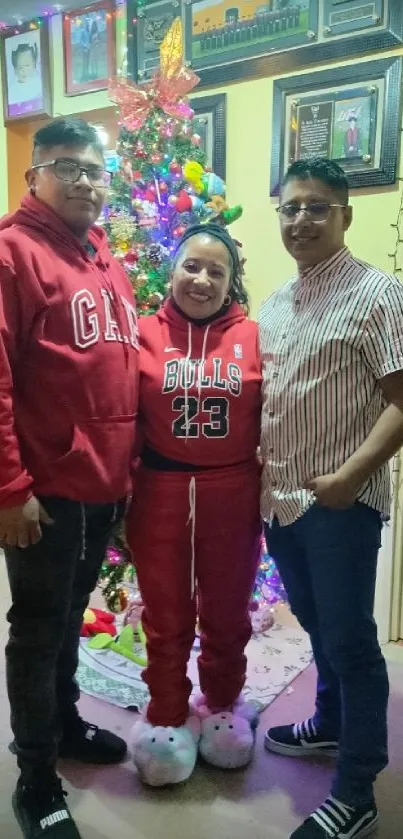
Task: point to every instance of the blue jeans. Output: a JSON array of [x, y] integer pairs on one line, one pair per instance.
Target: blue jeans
[[327, 560]]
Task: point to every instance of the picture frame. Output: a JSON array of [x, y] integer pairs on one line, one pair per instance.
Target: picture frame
[[210, 124], [147, 27], [89, 47], [246, 40], [353, 118], [26, 72]]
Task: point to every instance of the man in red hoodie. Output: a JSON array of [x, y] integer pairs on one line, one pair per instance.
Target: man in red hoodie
[[68, 400]]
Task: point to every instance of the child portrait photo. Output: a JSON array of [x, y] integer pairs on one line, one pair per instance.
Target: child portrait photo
[[24, 83]]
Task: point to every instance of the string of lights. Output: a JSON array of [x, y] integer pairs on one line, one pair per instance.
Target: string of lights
[[46, 14]]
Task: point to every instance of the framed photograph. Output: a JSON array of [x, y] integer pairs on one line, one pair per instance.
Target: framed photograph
[[89, 47], [230, 41], [25, 73], [220, 32], [353, 118], [210, 124]]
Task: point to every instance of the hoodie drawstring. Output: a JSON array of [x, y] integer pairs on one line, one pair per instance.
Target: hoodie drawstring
[[186, 367], [185, 379], [192, 521], [202, 360]]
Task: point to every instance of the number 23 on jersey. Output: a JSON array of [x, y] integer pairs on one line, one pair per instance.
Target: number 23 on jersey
[[188, 423]]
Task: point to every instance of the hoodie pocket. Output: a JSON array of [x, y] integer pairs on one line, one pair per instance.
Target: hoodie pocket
[[100, 453]]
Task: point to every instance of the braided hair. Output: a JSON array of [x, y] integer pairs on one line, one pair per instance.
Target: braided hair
[[237, 290]]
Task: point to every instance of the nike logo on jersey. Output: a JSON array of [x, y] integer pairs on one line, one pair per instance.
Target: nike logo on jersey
[[171, 349]]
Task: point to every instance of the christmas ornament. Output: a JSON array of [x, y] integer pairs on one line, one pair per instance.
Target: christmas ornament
[[117, 600], [175, 168], [155, 254]]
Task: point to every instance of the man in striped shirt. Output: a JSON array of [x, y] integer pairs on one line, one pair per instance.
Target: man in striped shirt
[[332, 351]]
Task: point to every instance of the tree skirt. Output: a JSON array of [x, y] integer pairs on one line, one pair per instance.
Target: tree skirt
[[275, 658]]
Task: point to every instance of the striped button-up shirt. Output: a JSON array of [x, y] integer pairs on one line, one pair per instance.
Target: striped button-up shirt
[[327, 338]]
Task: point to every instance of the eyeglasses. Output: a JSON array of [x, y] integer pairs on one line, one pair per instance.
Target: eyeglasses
[[317, 211], [66, 170]]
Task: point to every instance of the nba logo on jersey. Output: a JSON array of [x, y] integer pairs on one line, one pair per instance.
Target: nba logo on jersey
[[238, 351]]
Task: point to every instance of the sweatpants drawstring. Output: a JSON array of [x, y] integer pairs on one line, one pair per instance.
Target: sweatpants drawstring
[[192, 520]]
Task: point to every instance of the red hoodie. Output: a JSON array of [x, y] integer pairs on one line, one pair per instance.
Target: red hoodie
[[213, 374], [68, 362]]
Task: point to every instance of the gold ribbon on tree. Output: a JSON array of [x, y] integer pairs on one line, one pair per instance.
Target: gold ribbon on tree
[[167, 90]]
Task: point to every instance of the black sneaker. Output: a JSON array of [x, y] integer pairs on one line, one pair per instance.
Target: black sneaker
[[300, 740], [41, 810], [334, 820], [89, 744]]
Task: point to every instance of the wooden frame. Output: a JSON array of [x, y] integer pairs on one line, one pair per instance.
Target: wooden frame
[[328, 30], [82, 72], [337, 99], [25, 53], [211, 112]]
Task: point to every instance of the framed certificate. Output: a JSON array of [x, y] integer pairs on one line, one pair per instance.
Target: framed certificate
[[350, 117]]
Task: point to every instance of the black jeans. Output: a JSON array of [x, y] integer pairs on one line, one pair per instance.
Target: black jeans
[[327, 560], [50, 584]]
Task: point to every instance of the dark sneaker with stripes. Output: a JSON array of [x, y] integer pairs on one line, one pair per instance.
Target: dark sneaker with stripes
[[41, 810], [300, 740], [335, 820]]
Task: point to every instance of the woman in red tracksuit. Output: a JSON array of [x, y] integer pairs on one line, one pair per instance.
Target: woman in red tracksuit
[[194, 527]]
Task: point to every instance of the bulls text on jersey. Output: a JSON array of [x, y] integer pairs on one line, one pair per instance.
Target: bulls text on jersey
[[184, 374]]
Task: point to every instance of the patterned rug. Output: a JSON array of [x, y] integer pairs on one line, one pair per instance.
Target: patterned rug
[[275, 658]]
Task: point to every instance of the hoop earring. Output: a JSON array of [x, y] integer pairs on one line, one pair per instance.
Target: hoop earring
[[227, 301]]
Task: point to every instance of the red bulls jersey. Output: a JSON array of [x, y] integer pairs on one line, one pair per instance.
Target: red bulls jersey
[[200, 387]]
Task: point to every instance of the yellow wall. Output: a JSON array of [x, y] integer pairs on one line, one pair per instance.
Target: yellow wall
[[249, 136]]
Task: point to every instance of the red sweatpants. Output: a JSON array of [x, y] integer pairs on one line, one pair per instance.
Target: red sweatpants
[[226, 554]]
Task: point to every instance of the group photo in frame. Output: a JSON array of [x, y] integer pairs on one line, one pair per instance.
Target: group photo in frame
[[326, 114], [25, 72], [89, 47], [223, 31], [232, 40]]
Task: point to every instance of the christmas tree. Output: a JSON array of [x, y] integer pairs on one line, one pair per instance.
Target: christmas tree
[[162, 183]]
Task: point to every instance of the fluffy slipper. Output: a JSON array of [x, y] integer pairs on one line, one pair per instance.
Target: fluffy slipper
[[228, 737], [165, 755]]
